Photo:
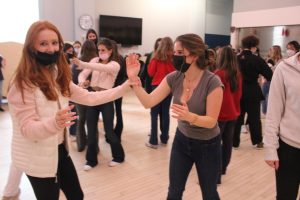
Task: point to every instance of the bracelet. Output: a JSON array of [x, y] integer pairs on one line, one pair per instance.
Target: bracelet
[[194, 120]]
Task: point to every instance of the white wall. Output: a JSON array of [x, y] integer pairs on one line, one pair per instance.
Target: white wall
[[246, 5], [60, 13], [160, 18], [218, 17]]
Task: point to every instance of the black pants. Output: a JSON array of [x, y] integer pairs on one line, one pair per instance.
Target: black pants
[[119, 118], [92, 117], [80, 129], [288, 173], [252, 108], [227, 130], [66, 180]]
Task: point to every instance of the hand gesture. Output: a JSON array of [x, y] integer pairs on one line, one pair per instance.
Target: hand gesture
[[64, 117], [75, 61], [180, 111], [132, 66]]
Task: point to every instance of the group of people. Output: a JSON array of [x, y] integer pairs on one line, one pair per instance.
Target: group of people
[[207, 105]]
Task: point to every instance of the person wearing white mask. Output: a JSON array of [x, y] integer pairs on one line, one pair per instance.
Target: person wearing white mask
[[292, 48], [104, 70], [77, 48]]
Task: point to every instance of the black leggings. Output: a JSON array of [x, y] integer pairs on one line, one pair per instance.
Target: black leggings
[[66, 180]]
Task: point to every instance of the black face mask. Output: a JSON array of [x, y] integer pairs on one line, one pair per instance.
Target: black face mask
[[46, 59], [70, 55], [180, 64]]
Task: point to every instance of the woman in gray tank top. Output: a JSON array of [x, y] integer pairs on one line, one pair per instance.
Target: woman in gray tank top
[[197, 98]]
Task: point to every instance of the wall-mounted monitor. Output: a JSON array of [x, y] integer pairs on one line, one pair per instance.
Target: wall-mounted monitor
[[126, 31]]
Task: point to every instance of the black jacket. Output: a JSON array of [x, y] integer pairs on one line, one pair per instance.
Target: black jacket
[[251, 66]]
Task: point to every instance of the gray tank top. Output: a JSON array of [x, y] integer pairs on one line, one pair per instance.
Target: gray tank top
[[196, 104]]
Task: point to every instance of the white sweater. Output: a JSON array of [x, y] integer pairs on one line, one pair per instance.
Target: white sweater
[[282, 120], [36, 135]]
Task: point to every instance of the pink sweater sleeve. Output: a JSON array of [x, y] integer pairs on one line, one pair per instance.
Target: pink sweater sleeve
[[82, 96], [26, 117]]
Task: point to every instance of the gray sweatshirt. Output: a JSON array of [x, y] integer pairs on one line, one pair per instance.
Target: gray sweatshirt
[[283, 116]]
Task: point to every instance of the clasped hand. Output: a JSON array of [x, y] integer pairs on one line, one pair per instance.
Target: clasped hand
[[64, 117]]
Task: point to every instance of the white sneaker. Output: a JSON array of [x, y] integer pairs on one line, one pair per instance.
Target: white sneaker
[[87, 167], [151, 145], [113, 163]]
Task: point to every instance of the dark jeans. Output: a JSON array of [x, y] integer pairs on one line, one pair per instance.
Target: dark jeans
[[265, 90], [227, 130], [252, 108], [67, 180], [288, 173], [107, 111], [119, 117], [80, 129], [206, 154], [163, 111]]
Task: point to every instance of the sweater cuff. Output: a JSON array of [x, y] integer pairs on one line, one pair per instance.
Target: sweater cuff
[[270, 154]]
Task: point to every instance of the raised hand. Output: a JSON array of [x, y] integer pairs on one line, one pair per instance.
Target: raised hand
[[64, 117], [132, 66]]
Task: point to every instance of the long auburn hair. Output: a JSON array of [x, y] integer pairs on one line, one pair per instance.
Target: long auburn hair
[[227, 61], [31, 74], [164, 51]]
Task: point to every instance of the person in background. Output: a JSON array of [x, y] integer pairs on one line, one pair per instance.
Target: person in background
[[160, 66], [69, 52], [282, 128], [91, 34], [146, 80], [38, 99], [88, 52], [212, 55], [229, 73], [273, 58], [292, 48], [104, 70], [251, 66], [2, 65], [77, 48], [197, 102]]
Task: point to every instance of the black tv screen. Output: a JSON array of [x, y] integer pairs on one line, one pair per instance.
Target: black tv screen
[[124, 30]]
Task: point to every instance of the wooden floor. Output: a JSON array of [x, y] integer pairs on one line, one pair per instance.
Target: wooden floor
[[144, 175]]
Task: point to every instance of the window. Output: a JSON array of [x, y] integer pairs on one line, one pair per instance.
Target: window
[[15, 18]]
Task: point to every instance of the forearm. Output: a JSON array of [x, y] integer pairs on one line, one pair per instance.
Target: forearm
[[143, 96], [201, 121]]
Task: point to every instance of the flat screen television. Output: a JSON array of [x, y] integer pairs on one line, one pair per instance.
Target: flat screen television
[[126, 31]]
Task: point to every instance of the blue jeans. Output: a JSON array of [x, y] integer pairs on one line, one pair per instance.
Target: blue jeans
[[206, 154], [265, 90], [163, 111]]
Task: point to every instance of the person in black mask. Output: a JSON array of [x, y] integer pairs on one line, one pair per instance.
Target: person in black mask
[[38, 99], [197, 99], [69, 52]]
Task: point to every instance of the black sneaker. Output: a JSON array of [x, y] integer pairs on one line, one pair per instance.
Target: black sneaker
[[1, 109]]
